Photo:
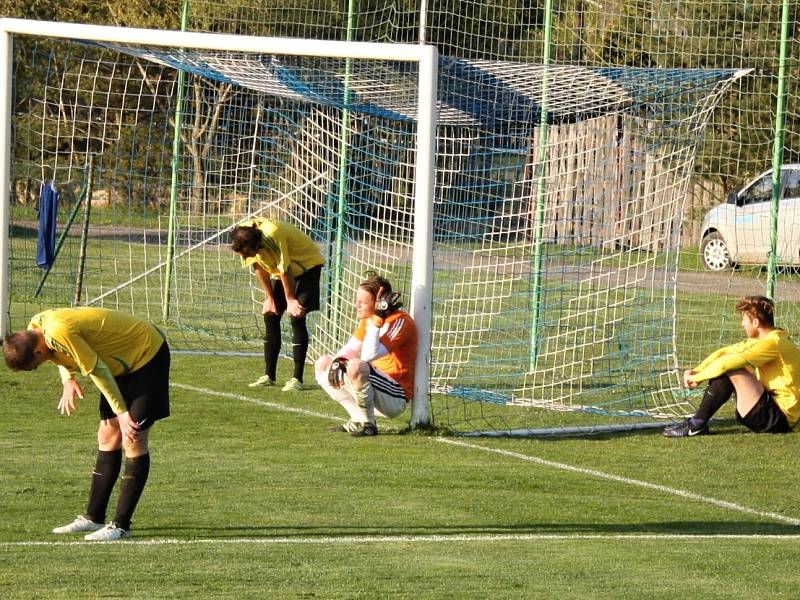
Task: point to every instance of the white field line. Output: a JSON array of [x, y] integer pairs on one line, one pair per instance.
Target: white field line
[[405, 539], [525, 457], [275, 405], [626, 480]]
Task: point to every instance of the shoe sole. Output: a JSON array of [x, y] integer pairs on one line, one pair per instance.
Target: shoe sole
[[125, 536], [82, 530]]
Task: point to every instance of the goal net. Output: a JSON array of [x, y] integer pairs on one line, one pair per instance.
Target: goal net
[[554, 227]]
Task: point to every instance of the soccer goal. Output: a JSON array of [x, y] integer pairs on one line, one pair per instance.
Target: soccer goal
[[184, 135], [538, 251]]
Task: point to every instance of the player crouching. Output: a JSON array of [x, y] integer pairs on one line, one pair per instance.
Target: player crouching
[[373, 373]]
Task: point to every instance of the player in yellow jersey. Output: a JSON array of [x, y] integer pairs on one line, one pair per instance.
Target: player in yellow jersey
[[287, 264], [763, 370], [128, 360], [374, 372]]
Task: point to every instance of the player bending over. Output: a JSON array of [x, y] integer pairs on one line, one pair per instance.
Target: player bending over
[[128, 360], [763, 370], [374, 372], [287, 264]]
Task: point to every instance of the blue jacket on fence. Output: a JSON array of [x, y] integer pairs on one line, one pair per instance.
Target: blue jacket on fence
[[46, 240]]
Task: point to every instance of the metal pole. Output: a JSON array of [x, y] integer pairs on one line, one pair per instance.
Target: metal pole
[[423, 22], [777, 151], [422, 256], [539, 174], [341, 206], [84, 231], [6, 71], [173, 188]]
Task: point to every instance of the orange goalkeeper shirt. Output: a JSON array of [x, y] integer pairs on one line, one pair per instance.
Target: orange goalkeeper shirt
[[773, 359], [398, 334]]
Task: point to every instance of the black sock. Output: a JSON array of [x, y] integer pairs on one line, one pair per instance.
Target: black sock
[[104, 476], [133, 480], [717, 393], [272, 344], [299, 345]]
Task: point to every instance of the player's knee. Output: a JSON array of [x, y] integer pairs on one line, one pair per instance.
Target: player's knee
[[323, 363], [109, 436], [357, 371], [139, 447]]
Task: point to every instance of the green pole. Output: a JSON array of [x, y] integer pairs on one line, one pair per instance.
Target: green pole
[[777, 151], [84, 233], [173, 188], [539, 174], [341, 208]]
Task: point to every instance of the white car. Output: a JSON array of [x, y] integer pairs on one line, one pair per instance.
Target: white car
[[739, 230]]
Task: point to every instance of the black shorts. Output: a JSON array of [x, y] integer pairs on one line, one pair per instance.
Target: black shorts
[[306, 290], [145, 391], [765, 417]]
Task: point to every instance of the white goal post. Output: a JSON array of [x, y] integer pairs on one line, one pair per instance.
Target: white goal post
[[425, 56]]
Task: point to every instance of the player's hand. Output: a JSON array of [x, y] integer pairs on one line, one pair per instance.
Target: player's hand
[[687, 379], [66, 405], [294, 308], [268, 307], [128, 427], [336, 372]]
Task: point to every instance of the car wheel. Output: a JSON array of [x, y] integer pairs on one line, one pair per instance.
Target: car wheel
[[714, 252]]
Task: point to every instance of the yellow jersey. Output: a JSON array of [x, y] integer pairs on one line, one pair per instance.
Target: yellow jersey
[[99, 342], [773, 359], [286, 249]]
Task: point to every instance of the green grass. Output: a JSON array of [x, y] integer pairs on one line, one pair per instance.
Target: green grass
[[255, 501]]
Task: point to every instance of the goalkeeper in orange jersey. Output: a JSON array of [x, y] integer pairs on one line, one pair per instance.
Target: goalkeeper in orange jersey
[[763, 370], [128, 361], [374, 372], [287, 264]]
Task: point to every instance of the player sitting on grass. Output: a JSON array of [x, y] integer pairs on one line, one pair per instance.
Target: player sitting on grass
[[128, 360], [374, 372], [764, 371]]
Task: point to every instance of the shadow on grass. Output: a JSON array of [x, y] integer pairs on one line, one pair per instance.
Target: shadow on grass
[[718, 427], [678, 528]]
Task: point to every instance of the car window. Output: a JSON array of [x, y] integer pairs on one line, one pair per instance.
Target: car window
[[760, 191], [791, 179]]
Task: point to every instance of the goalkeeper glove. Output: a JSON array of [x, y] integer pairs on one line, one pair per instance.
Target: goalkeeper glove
[[336, 372], [386, 304]]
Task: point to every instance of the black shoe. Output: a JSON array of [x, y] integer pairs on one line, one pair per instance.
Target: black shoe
[[686, 429], [364, 430]]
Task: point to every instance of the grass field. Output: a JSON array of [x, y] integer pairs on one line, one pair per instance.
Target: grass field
[[251, 497]]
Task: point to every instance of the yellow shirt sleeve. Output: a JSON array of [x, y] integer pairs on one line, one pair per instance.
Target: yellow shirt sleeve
[[101, 376], [90, 364], [751, 353], [711, 358], [65, 373]]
